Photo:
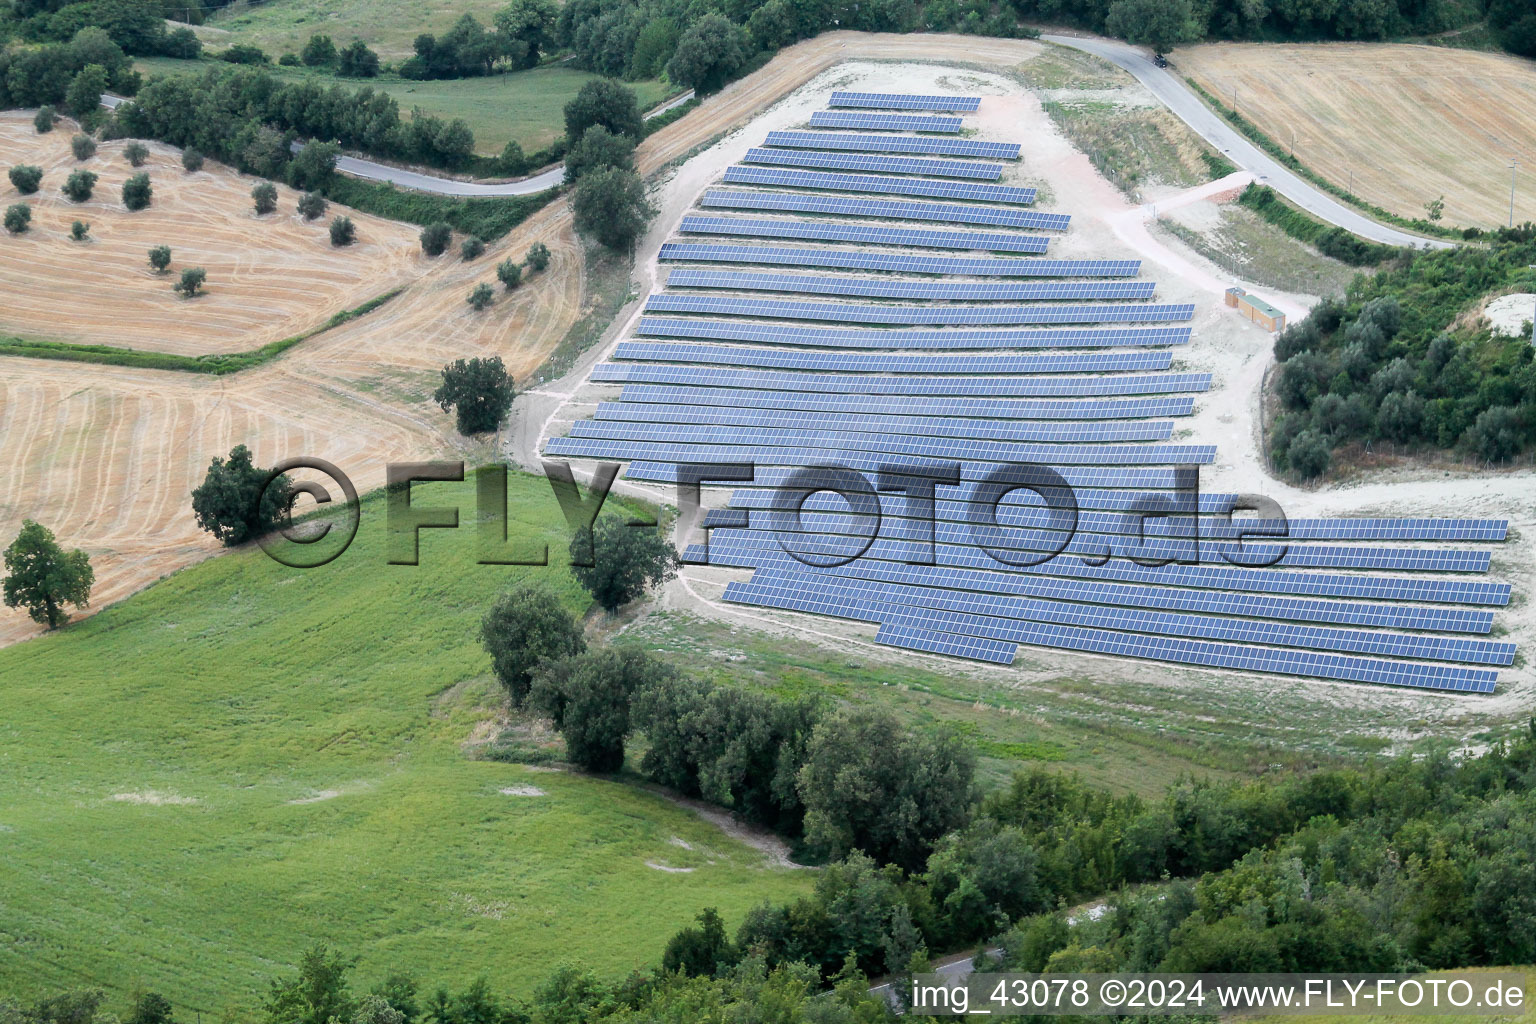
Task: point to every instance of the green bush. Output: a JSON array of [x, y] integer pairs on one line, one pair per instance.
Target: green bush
[[18, 218], [137, 192], [472, 249], [480, 296], [137, 153], [160, 258], [538, 256], [312, 206], [342, 231], [264, 198], [26, 178], [79, 186], [435, 238], [192, 280], [509, 273], [191, 159], [44, 119], [79, 231], [83, 146]]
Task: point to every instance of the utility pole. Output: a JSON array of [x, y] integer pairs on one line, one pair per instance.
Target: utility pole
[[1514, 166]]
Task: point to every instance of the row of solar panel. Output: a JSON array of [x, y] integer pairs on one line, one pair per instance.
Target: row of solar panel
[[894, 209], [857, 313], [884, 122], [903, 101], [826, 182], [927, 426], [864, 442], [1024, 508], [1140, 620], [860, 162], [842, 384], [746, 398], [942, 291], [952, 339], [759, 228], [979, 584], [989, 639], [622, 450], [841, 534], [901, 263], [893, 144], [728, 548], [867, 362]]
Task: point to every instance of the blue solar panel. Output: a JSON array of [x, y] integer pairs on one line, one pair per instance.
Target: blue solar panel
[[843, 384], [895, 596], [743, 398], [928, 632], [952, 339], [891, 209], [727, 547], [894, 144], [928, 426], [951, 529], [944, 291], [845, 442], [961, 584], [903, 101], [896, 263], [992, 240], [848, 312], [1022, 508], [869, 362], [861, 162], [884, 122], [826, 182]]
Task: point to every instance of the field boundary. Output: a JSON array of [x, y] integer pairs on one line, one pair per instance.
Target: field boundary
[[1329, 239], [216, 365], [1257, 136]]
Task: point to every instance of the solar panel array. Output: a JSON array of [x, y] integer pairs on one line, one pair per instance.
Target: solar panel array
[[941, 291], [884, 122], [903, 101], [755, 228], [895, 263], [874, 164], [969, 557], [930, 187], [843, 206], [894, 144], [856, 313]]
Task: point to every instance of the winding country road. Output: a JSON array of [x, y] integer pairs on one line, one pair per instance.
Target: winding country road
[[1165, 86], [1177, 97]]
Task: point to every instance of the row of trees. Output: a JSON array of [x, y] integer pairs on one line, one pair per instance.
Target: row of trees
[[138, 26], [137, 192], [1383, 365], [520, 33]]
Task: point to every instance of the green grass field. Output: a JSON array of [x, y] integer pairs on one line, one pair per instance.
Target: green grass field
[[244, 759], [389, 26], [528, 106]]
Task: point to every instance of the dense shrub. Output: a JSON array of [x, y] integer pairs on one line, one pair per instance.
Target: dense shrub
[[191, 160], [311, 206], [435, 238], [343, 232], [472, 248]]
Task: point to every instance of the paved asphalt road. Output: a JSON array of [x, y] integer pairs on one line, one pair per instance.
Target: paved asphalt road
[[448, 186], [1172, 91], [1163, 84]]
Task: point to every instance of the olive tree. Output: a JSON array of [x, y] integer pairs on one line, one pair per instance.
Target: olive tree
[[137, 192], [18, 218], [191, 282], [136, 152], [27, 178], [264, 198], [160, 258], [79, 186]]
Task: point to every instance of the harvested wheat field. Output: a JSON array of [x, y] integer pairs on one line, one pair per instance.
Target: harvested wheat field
[[269, 277], [106, 456], [1411, 123]]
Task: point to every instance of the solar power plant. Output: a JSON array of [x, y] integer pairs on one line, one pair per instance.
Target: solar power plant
[[939, 448], [891, 209], [844, 384], [868, 362], [896, 263], [848, 312], [748, 398], [894, 144], [903, 101], [884, 122], [874, 164], [868, 235], [906, 380], [950, 338], [928, 426], [1055, 538], [826, 182], [984, 638], [1394, 645], [978, 585], [966, 291], [1266, 581], [1018, 513]]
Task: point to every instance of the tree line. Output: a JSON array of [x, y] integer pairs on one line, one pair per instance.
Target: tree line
[[1399, 361]]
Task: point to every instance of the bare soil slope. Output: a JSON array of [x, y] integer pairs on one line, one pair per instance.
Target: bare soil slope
[[1410, 122]]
